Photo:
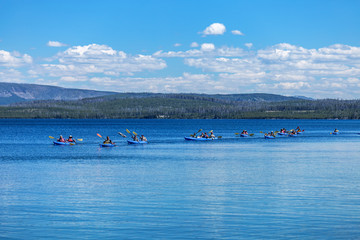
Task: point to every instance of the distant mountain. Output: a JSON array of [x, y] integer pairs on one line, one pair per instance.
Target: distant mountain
[[15, 92]]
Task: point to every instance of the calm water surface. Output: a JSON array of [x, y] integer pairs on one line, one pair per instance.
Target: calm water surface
[[306, 187]]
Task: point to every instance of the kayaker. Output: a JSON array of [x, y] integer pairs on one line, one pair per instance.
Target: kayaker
[[70, 139], [135, 138], [206, 135], [61, 139], [107, 141], [272, 134], [336, 130], [212, 134], [143, 138], [202, 135]]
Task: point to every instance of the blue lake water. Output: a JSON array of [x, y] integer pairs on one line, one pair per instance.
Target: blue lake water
[[307, 187]]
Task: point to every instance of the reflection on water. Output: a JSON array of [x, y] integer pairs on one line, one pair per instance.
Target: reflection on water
[[305, 187]]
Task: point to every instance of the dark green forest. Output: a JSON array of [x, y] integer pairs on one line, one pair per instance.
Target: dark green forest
[[185, 106]]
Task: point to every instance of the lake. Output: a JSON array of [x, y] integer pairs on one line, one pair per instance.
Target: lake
[[306, 187]]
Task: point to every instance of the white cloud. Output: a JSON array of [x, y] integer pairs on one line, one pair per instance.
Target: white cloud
[[207, 47], [215, 29], [177, 44], [14, 59], [237, 32], [248, 45], [98, 59], [73, 79], [194, 44], [203, 52], [56, 44]]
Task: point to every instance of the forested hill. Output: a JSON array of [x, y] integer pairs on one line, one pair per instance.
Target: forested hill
[[145, 105], [18, 92]]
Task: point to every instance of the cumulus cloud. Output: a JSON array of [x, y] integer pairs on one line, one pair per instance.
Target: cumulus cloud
[[215, 29], [14, 59], [194, 44], [237, 32], [248, 45], [177, 44], [98, 59], [56, 44], [207, 47]]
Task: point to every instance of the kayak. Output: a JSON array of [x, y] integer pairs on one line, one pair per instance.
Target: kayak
[[298, 132], [199, 139], [335, 133], [292, 135], [136, 142], [107, 145], [269, 137], [244, 135], [282, 134], [63, 143]]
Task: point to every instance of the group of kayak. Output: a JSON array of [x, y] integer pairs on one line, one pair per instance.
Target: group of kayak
[[135, 139], [198, 136], [284, 132]]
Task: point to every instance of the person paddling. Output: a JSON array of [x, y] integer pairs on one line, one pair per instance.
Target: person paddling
[[135, 138], [143, 138], [61, 139], [71, 139], [108, 141]]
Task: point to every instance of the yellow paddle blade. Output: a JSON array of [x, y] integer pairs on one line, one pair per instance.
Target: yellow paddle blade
[[219, 137], [261, 131], [134, 133], [237, 133], [128, 131], [51, 137], [99, 135], [252, 134], [79, 139]]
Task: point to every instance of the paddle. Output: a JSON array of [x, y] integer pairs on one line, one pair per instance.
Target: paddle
[[128, 131], [193, 135], [135, 133], [251, 134], [124, 136], [79, 139], [100, 136]]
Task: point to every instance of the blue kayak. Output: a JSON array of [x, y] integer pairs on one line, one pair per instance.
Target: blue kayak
[[107, 145], [244, 135], [298, 132], [199, 139], [292, 135], [335, 133], [63, 143], [136, 142], [269, 137], [282, 134]]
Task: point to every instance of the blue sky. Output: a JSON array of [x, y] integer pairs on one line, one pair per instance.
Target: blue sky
[[309, 48]]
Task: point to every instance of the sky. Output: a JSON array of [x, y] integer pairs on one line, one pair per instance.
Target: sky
[[306, 48]]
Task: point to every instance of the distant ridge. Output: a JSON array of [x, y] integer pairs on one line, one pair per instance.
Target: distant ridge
[[19, 92], [11, 93]]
